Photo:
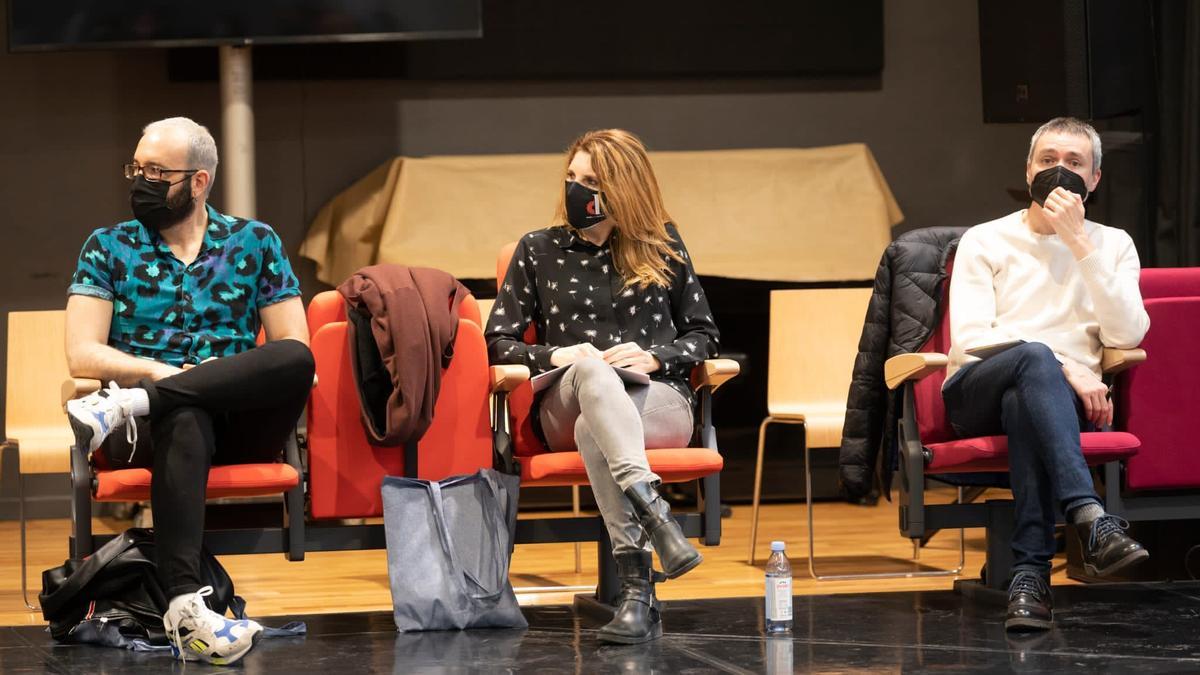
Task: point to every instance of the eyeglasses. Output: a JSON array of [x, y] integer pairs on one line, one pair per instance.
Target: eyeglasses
[[152, 173]]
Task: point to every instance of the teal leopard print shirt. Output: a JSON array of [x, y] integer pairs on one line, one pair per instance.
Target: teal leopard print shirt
[[176, 313]]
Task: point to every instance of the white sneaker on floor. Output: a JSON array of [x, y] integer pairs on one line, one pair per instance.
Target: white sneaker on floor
[[199, 634], [98, 414]]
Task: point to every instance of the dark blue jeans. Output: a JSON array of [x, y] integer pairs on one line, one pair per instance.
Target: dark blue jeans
[[1022, 393]]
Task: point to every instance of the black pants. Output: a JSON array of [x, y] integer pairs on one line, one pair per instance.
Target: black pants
[[234, 410], [1023, 394]]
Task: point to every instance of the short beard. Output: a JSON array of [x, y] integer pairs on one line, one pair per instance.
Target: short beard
[[182, 206]]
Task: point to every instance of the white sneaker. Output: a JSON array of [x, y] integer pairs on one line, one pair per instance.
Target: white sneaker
[[96, 415], [199, 634]]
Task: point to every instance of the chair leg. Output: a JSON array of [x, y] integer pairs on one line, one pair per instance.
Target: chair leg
[[294, 522], [293, 504], [24, 548], [1002, 523], [710, 503], [969, 497], [600, 606], [812, 556], [608, 585], [578, 545], [758, 467], [81, 505]]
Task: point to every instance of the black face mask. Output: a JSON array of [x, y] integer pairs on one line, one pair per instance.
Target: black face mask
[[1046, 180], [584, 206], [153, 208]]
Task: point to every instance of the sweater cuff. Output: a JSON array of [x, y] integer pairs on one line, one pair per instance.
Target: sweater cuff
[[1092, 267]]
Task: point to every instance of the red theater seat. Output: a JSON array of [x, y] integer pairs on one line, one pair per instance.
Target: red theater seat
[[1157, 402], [929, 447], [948, 454], [346, 470]]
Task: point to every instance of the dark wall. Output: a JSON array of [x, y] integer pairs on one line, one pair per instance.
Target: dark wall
[[69, 120]]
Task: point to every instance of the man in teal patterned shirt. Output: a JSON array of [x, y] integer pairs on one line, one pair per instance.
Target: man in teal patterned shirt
[[166, 308]]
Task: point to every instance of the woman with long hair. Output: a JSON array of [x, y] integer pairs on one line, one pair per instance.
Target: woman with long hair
[[610, 285]]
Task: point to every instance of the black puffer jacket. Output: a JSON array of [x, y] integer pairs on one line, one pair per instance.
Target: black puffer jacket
[[905, 307]]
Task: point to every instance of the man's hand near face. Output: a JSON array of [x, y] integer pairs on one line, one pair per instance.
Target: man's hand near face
[[1064, 212]]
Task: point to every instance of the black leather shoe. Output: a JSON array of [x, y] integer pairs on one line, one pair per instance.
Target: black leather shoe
[[1030, 606], [1106, 548], [638, 618], [676, 553]]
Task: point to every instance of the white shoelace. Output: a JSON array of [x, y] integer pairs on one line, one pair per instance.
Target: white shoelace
[[189, 610], [126, 406]]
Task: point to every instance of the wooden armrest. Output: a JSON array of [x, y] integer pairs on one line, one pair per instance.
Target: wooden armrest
[[714, 373], [508, 377], [904, 367], [1114, 361], [78, 387]]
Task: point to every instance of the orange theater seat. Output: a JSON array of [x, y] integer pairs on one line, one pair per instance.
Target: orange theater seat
[[673, 465], [346, 470], [234, 480], [542, 468]]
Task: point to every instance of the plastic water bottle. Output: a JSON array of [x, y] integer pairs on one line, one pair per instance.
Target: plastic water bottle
[[779, 590]]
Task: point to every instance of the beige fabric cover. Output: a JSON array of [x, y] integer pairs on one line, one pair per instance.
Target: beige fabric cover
[[817, 214]]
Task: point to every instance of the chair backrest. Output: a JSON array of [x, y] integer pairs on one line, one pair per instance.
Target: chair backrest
[[345, 469], [328, 306], [931, 411], [813, 343], [525, 441], [37, 367], [502, 261], [1155, 399]]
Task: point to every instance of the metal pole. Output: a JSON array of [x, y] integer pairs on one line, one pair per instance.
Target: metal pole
[[237, 131]]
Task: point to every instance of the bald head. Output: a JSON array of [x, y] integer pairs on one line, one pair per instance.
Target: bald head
[[179, 143]]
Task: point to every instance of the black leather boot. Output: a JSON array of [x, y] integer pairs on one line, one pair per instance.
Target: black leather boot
[[1106, 548], [676, 553], [1030, 606], [638, 618]]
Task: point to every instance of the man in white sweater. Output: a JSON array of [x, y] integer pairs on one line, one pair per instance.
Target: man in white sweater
[[1038, 294]]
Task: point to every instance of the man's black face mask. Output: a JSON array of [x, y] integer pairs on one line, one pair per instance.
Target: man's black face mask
[[153, 207], [1046, 180]]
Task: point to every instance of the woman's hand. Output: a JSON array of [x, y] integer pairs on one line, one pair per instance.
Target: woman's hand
[[567, 355], [1097, 407], [630, 356]]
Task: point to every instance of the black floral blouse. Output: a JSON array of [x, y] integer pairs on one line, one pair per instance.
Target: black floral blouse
[[570, 291]]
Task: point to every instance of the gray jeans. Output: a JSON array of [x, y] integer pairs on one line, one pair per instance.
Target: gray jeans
[[590, 410]]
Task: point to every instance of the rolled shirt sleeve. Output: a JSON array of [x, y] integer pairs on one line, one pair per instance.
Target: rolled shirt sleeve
[[276, 280], [94, 271]]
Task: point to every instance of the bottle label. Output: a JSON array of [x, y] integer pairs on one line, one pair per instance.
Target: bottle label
[[779, 598]]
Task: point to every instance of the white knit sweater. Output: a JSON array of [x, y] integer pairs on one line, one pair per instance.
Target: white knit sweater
[[1011, 283]]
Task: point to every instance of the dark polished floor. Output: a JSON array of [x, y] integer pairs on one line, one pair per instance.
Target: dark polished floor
[[1112, 628]]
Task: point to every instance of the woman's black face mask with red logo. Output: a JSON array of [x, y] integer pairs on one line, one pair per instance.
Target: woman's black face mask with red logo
[[584, 206]]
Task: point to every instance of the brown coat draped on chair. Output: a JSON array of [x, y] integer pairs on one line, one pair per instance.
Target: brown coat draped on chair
[[402, 324]]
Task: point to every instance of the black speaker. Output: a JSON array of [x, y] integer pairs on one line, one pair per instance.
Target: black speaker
[[1045, 58]]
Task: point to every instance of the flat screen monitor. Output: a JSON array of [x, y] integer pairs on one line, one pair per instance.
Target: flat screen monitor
[[48, 25]]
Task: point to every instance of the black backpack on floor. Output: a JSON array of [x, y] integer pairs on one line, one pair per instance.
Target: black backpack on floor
[[113, 597]]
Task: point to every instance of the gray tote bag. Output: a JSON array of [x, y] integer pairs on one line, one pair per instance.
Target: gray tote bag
[[448, 547]]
